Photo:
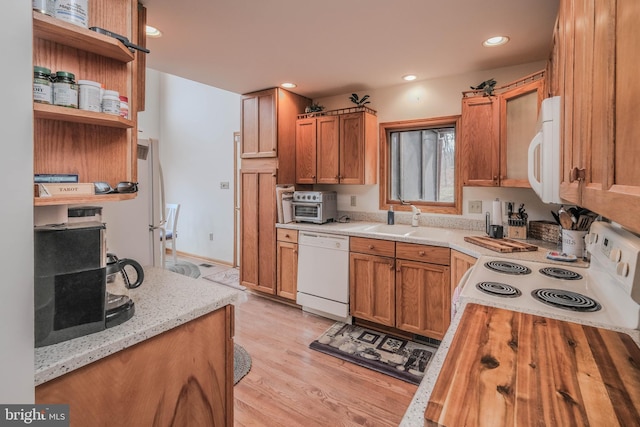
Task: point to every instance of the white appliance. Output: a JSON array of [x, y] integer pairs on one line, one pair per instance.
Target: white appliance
[[315, 206], [132, 225], [606, 293], [323, 274], [544, 153]]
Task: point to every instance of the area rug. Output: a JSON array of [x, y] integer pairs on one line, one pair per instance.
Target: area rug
[[183, 267], [241, 363], [390, 355], [226, 276]]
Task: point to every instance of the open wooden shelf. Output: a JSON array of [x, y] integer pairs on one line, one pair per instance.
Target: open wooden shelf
[[92, 199], [48, 28], [74, 115]]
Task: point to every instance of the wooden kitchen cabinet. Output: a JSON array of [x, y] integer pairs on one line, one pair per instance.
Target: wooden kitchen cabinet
[[338, 147], [181, 377], [258, 217], [265, 163], [95, 146], [268, 124], [497, 131], [597, 65], [287, 264], [401, 285], [372, 280], [423, 293], [460, 263]]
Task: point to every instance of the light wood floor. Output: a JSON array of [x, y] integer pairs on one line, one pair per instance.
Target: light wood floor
[[292, 385]]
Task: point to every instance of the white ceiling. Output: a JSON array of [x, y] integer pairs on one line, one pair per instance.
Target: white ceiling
[[331, 47]]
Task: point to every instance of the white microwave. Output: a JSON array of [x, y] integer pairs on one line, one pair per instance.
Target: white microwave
[[544, 153]]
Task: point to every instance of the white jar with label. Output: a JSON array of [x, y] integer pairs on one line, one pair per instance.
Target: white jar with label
[[89, 97], [111, 102], [73, 11]]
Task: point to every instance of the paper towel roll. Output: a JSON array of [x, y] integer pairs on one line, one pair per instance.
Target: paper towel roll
[[496, 217]]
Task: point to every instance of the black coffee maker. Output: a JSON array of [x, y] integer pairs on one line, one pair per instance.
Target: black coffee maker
[[69, 281], [72, 295]]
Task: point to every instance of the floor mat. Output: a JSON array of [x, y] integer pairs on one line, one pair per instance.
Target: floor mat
[[241, 363], [228, 276], [185, 268], [390, 355]]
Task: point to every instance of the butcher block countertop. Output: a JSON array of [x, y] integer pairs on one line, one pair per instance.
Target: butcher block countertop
[[508, 368]]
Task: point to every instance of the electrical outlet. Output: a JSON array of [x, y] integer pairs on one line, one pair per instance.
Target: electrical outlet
[[475, 206], [353, 200], [224, 185], [210, 236]]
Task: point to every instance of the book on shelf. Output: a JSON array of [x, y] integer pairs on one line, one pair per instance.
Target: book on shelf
[[41, 178], [64, 189]]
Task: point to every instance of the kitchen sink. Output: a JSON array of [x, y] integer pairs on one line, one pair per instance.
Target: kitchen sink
[[395, 230]]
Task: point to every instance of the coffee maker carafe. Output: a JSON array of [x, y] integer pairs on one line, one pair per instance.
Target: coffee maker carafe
[[122, 275]]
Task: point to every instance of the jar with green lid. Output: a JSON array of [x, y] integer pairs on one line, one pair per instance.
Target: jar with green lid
[[42, 85], [65, 90]]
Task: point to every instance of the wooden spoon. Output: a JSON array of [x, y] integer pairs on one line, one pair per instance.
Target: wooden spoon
[[565, 220]]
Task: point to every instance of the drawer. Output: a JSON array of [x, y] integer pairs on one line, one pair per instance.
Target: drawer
[[373, 246], [285, 235], [423, 253]]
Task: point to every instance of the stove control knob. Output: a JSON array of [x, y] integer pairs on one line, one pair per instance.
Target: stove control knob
[[615, 255], [622, 269], [591, 238]]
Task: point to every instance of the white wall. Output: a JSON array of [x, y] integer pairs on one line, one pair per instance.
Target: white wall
[[434, 98], [16, 215], [194, 124]]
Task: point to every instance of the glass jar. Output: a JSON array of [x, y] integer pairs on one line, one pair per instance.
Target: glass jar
[[42, 85], [65, 90], [48, 7]]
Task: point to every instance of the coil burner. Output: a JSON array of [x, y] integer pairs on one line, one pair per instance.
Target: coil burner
[[566, 300], [560, 273], [498, 289], [507, 267]]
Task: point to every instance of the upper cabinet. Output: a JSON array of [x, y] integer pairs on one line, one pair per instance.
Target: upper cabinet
[[266, 128], [497, 131], [595, 63], [95, 146], [337, 147]]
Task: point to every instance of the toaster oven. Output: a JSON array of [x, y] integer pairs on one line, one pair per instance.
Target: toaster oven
[[317, 207]]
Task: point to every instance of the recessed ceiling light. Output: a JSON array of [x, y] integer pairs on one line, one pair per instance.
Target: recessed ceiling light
[[409, 77], [495, 41], [152, 31], [288, 85]]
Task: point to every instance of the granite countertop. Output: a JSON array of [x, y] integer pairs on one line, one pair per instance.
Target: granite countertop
[[414, 415], [165, 300], [437, 236]]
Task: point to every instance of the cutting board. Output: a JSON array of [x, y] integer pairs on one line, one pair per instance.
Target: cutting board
[[500, 245], [506, 368]]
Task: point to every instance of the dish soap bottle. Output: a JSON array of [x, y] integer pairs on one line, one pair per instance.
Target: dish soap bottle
[[390, 216]]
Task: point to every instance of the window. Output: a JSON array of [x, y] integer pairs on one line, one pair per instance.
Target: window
[[418, 165]]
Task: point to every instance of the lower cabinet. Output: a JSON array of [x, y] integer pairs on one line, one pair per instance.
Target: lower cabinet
[[372, 280], [401, 285], [460, 263], [287, 263], [181, 377]]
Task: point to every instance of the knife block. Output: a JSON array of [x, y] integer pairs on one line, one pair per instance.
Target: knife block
[[517, 231]]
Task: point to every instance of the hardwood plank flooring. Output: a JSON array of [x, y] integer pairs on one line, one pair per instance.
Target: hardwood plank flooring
[[291, 385]]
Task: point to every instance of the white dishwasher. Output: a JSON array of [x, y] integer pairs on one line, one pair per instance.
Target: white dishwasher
[[323, 274]]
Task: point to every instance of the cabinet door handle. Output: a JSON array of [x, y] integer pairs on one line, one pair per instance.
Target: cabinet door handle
[[495, 177], [295, 252], [391, 265], [313, 176], [421, 253], [287, 235], [370, 246]]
